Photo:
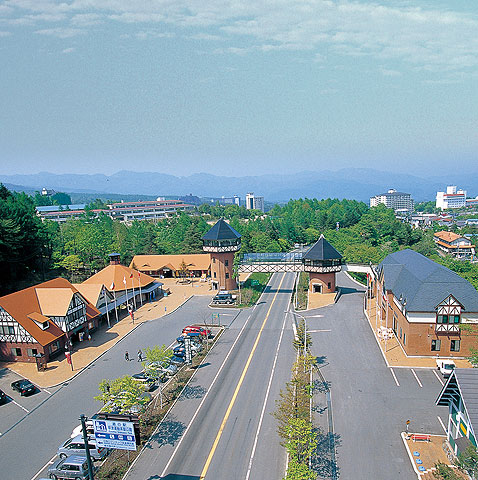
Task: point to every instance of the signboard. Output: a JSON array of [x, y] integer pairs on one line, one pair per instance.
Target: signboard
[[114, 434], [187, 350]]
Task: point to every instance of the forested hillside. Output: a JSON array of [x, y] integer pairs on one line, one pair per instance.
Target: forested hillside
[[31, 251]]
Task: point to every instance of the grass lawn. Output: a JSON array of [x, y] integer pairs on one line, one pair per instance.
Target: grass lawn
[[253, 287]]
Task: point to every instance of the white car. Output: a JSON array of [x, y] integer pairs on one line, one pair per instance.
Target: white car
[[445, 366]]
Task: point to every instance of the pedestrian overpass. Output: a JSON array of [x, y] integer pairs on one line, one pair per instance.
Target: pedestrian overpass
[[291, 262]]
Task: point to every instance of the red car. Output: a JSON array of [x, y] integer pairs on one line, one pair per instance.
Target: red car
[[196, 329]]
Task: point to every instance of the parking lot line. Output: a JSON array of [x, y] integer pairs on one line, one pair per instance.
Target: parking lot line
[[44, 466], [394, 377], [441, 423], [45, 390], [416, 378], [438, 378], [18, 405]]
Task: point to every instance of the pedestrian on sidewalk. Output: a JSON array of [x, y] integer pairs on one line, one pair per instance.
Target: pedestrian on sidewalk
[[140, 355], [126, 356]]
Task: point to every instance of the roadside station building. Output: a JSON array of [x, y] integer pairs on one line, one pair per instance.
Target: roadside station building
[[169, 266], [127, 285], [425, 304], [40, 320], [460, 395]]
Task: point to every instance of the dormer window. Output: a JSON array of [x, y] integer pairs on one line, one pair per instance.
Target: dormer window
[[45, 325], [448, 319]]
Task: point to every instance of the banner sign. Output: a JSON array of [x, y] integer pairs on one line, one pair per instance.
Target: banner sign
[[114, 434]]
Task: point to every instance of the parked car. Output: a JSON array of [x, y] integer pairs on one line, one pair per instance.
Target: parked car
[[194, 336], [71, 467], [175, 360], [180, 350], [24, 387], [224, 298], [79, 431], [148, 382], [197, 329], [76, 446], [3, 397]]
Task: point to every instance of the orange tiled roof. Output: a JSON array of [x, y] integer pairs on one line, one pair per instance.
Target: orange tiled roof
[[112, 278], [194, 261], [24, 307], [447, 236]]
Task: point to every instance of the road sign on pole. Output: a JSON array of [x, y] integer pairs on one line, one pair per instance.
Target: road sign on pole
[[114, 434], [187, 350]]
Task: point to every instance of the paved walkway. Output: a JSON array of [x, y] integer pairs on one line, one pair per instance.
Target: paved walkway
[[104, 338]]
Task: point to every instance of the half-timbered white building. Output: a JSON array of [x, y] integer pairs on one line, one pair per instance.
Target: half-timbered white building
[[40, 320]]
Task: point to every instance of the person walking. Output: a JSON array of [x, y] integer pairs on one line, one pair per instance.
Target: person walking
[[126, 356], [140, 355]]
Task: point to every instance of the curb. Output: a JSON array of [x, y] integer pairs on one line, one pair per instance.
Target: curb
[[376, 338], [356, 281], [412, 461]]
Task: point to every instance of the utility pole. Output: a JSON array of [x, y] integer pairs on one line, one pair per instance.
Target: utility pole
[[87, 450]]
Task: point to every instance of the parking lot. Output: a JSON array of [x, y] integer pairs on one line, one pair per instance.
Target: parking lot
[[17, 406]]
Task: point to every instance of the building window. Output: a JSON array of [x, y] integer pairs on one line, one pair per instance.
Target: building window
[[214, 274], [404, 338], [455, 319], [329, 285], [213, 259], [16, 352], [442, 318], [226, 263], [7, 330], [455, 346], [400, 333], [227, 275], [436, 345], [31, 352]]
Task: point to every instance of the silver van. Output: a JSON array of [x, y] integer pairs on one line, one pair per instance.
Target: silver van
[[76, 446], [71, 467]]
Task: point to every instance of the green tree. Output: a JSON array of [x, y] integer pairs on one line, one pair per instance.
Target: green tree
[[468, 461], [121, 394]]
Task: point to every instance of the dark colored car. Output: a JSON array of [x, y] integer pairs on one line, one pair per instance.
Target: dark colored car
[[224, 298], [148, 382], [24, 387], [3, 397], [175, 360]]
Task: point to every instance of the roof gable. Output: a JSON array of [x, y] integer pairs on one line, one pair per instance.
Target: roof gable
[[54, 302], [114, 277], [322, 250], [221, 231]]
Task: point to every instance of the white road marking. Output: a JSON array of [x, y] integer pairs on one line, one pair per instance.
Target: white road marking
[[18, 405], [44, 466], [394, 377], [317, 331], [416, 378], [441, 423], [45, 390], [265, 401], [438, 378]]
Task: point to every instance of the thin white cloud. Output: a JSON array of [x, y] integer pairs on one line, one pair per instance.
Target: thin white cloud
[[61, 32], [430, 38], [68, 50], [5, 34]]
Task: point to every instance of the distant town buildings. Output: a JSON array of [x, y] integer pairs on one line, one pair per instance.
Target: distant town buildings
[[253, 202], [452, 198], [456, 245], [399, 201], [123, 211]]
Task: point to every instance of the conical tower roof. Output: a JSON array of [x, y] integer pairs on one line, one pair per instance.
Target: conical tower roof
[[322, 250], [221, 231]]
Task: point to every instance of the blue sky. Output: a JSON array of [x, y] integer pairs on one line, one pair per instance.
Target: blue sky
[[238, 87]]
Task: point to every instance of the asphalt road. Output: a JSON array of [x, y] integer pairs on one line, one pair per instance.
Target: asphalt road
[[30, 439], [222, 428], [369, 409]]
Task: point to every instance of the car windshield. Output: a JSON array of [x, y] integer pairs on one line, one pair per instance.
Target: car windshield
[[449, 366]]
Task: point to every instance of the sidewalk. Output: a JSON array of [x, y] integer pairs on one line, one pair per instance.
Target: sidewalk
[[104, 338], [392, 350]]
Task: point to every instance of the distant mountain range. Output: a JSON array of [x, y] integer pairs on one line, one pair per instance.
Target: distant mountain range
[[355, 183]]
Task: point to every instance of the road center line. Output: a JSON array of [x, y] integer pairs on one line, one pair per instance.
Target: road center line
[[394, 377], [200, 405], [239, 384], [416, 378], [265, 400], [439, 379], [441, 423], [318, 331]]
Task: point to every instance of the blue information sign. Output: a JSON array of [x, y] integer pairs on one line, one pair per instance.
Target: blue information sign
[[114, 434]]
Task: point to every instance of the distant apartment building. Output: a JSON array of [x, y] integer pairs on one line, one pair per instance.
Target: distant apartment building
[[452, 198], [471, 202], [399, 201], [63, 213], [456, 245], [253, 202]]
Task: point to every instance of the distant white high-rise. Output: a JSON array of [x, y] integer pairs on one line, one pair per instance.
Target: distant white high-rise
[[237, 200], [253, 202], [399, 201], [452, 198]]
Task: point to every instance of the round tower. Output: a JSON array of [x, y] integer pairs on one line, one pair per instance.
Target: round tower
[[221, 241], [322, 262]]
